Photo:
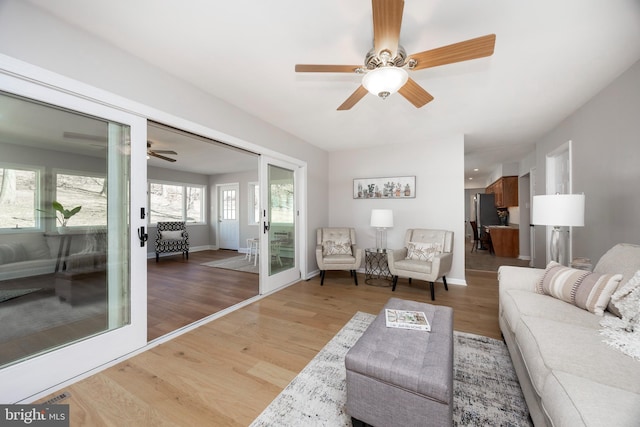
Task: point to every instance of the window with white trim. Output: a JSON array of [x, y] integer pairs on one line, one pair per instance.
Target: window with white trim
[[171, 201], [85, 190], [19, 197]]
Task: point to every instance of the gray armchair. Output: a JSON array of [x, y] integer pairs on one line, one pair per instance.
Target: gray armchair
[[172, 237], [336, 250], [427, 255]]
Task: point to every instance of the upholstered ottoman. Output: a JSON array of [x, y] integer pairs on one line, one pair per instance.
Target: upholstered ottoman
[[402, 377]]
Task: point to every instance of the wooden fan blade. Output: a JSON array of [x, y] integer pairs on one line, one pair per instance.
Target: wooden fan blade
[[457, 52], [353, 99], [168, 159], [165, 152], [387, 20], [415, 94], [313, 68]]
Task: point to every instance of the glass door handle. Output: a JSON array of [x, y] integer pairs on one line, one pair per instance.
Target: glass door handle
[[142, 236]]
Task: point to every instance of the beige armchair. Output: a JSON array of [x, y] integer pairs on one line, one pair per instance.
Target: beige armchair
[[427, 255], [336, 250]]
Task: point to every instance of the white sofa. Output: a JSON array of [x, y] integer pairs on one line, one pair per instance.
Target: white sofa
[[26, 254], [568, 374]]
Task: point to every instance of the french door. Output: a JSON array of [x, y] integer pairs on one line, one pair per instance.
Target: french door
[[84, 153], [280, 224]]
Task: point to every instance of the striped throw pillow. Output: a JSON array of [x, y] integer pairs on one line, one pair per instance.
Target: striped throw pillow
[[589, 291]]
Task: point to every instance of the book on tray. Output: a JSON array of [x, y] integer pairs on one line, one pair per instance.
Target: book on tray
[[407, 319]]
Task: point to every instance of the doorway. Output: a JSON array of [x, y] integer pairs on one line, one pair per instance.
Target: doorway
[[209, 181]]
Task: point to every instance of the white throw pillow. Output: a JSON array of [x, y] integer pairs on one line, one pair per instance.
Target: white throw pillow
[[627, 300], [423, 251], [332, 247], [171, 234]]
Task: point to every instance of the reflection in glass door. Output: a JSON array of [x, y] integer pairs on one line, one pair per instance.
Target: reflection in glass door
[[66, 255], [282, 216], [279, 226]]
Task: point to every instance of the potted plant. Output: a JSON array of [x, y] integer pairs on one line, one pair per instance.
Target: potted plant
[[503, 214], [63, 215]]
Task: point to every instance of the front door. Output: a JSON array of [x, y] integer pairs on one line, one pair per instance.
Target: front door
[[228, 223]]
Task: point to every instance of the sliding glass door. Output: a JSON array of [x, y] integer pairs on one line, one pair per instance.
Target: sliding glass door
[[280, 266], [69, 200]]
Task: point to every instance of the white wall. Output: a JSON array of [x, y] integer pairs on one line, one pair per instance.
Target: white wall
[[33, 36], [439, 203], [606, 167], [504, 169]]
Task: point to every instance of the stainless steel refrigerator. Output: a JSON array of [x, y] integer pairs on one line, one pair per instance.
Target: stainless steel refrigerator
[[486, 212]]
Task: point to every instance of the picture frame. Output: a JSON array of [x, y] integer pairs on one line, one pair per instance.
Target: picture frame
[[395, 187]]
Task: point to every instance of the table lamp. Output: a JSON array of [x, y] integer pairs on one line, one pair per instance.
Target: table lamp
[[558, 210], [381, 219]]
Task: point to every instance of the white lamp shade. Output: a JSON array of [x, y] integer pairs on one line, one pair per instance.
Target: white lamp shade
[[385, 80], [560, 210], [382, 218]]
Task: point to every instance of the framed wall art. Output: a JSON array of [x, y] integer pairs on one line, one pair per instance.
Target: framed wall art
[[396, 187]]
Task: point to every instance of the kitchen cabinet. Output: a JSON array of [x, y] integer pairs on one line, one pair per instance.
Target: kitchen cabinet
[[505, 240], [505, 190]]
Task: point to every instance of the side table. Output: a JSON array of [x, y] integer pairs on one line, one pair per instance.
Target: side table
[[376, 268]]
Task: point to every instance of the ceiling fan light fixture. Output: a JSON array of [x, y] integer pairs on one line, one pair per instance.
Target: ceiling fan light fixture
[[384, 81]]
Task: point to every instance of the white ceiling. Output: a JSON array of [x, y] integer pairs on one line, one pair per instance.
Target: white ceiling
[[550, 58]]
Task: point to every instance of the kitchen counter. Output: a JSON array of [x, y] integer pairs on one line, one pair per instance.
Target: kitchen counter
[[505, 240]]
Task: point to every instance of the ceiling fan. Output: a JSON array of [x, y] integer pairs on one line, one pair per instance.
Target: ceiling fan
[[159, 153], [385, 66]]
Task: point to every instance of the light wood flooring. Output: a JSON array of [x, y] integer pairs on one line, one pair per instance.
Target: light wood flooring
[[226, 372], [181, 291]]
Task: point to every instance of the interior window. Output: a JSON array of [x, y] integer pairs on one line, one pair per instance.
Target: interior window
[[176, 202]]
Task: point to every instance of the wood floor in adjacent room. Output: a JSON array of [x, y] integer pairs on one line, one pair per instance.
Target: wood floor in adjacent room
[[226, 372], [181, 291]]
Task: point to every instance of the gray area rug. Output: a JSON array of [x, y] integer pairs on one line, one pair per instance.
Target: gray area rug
[[7, 294], [486, 389], [21, 319], [238, 263]]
